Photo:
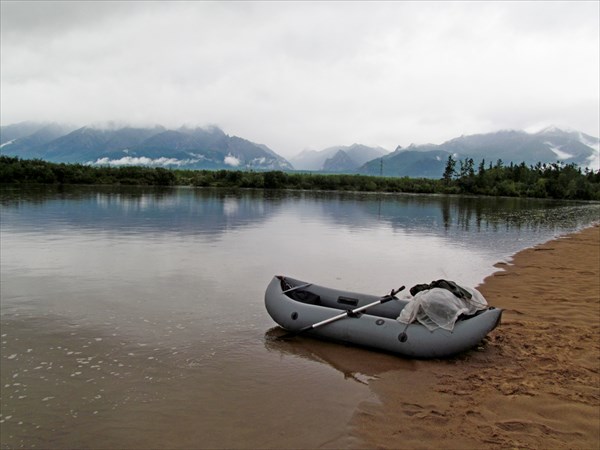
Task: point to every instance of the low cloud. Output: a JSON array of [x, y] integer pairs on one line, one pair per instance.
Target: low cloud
[[232, 161], [143, 161], [305, 74]]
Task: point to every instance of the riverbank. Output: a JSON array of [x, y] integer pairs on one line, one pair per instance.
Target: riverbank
[[542, 181], [533, 383]]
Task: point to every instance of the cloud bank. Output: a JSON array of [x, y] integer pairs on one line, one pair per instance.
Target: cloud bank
[[293, 75]]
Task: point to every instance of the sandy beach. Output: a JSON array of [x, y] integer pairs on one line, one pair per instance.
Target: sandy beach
[[533, 383]]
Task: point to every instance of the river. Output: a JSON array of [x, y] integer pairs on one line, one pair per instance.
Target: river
[[134, 317]]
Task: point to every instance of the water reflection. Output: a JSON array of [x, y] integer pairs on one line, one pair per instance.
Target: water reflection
[[153, 299], [181, 234], [132, 210], [360, 365], [412, 212], [213, 212]]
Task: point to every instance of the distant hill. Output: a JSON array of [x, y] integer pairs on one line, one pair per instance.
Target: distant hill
[[340, 162], [421, 163], [192, 148], [212, 148], [547, 146], [312, 159], [87, 144], [26, 135], [31, 136], [10, 133], [337, 159]]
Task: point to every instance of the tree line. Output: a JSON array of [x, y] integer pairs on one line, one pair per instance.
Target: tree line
[[557, 181], [28, 171]]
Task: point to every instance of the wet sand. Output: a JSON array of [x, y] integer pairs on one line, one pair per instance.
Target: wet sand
[[533, 383]]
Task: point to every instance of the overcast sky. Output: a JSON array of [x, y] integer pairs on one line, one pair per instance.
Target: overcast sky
[[296, 75]]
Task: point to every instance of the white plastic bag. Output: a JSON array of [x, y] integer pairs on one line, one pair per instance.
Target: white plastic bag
[[440, 308]]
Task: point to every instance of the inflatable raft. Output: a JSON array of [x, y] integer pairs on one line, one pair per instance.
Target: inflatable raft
[[298, 306]]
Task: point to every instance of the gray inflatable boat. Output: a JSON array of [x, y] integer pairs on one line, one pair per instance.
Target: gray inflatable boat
[[297, 306]]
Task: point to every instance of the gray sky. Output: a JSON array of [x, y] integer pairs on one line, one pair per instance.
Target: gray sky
[[296, 75]]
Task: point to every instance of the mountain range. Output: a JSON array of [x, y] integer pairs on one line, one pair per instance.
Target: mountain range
[[549, 145], [212, 148], [337, 159], [185, 147]]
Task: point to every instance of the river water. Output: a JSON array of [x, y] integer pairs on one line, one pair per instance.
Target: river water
[[134, 318]]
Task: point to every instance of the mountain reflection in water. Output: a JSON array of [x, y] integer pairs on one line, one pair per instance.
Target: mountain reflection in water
[[214, 211]]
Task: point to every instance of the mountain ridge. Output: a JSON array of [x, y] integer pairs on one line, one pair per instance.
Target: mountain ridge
[[184, 147], [340, 158], [210, 147], [545, 146]]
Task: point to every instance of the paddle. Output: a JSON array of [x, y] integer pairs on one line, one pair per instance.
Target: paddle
[[348, 313]]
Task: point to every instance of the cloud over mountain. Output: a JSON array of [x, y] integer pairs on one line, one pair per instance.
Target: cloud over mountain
[[183, 147], [295, 74], [546, 146], [211, 148]]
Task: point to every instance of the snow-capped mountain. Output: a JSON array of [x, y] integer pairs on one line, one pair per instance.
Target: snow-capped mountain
[[546, 146], [211, 148], [192, 148]]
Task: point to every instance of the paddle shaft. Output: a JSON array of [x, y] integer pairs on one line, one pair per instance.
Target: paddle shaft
[[385, 299], [302, 286], [345, 314]]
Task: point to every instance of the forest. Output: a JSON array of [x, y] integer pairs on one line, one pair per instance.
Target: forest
[[556, 181]]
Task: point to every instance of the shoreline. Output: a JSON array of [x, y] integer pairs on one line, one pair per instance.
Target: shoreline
[[503, 182], [534, 382]]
